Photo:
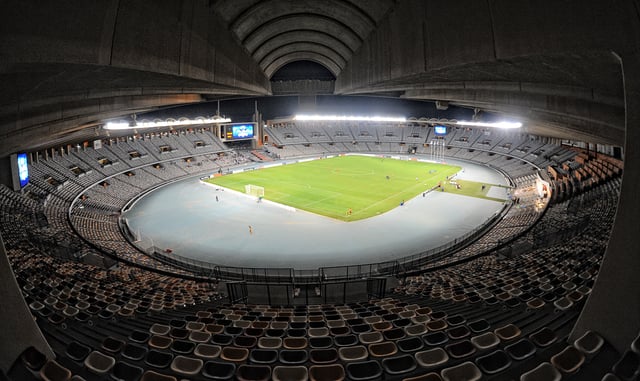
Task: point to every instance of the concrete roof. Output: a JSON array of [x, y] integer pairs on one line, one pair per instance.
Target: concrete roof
[[556, 65]]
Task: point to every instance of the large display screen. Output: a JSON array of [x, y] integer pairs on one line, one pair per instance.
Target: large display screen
[[440, 130], [23, 169], [242, 131]]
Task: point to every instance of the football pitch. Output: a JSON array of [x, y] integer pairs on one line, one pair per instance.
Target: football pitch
[[346, 188]]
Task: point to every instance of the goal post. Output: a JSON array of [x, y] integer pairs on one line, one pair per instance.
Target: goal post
[[254, 190]]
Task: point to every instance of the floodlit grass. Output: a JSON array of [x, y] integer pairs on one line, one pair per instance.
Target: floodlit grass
[[331, 187]]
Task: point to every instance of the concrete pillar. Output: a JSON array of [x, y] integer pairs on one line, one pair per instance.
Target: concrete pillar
[[19, 329], [613, 308]]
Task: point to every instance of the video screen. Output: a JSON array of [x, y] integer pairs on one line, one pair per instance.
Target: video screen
[[440, 130], [242, 131], [23, 169]]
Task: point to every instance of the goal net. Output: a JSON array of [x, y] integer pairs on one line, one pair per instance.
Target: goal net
[[254, 190]]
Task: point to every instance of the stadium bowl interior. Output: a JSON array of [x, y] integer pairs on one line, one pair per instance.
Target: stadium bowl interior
[[106, 105]]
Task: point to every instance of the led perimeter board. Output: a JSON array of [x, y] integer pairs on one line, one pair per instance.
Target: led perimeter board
[[237, 131]]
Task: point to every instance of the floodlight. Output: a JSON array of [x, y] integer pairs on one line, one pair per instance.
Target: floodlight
[[165, 123]]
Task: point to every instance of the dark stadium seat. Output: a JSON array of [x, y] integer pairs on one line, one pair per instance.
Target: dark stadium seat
[[398, 365], [134, 352], [99, 363], [353, 353], [247, 372], [569, 360], [494, 362], [123, 371], [331, 372], [364, 370], [464, 371], [216, 370], [77, 351], [53, 371], [290, 373], [521, 349]]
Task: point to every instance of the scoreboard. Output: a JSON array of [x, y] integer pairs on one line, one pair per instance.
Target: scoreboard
[[237, 131]]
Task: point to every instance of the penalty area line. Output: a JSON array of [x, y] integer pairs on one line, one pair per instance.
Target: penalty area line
[[283, 206]]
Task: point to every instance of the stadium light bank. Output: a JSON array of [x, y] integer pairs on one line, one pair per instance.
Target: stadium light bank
[[164, 123], [334, 118]]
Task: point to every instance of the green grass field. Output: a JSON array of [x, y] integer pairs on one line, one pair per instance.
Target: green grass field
[[330, 187]]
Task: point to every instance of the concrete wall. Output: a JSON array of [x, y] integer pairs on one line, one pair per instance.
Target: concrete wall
[[19, 329], [497, 53], [613, 308], [62, 62]]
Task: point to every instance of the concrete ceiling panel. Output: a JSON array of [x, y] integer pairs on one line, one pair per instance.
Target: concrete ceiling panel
[[313, 36], [266, 11], [302, 55], [283, 50]]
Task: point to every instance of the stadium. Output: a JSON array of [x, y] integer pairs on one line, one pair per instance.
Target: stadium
[[336, 190]]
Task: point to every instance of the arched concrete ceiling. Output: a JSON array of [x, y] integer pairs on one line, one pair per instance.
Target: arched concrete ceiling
[[268, 29]]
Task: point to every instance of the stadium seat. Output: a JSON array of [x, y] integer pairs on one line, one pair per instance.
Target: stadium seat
[[247, 372], [158, 359], [332, 372], [398, 365], [99, 363], [382, 349], [465, 371], [410, 344], [138, 336], [186, 366], [432, 358], [294, 342], [207, 351], [461, 349], [293, 356], [234, 354], [544, 337], [321, 342], [134, 352], [219, 370], [521, 349], [353, 353], [269, 342], [345, 340], [393, 334], [263, 356], [364, 370], [507, 332], [435, 338], [589, 344], [77, 351], [53, 371], [478, 326], [160, 342], [182, 347], [123, 371], [290, 373], [458, 332], [568, 361], [494, 362], [323, 356]]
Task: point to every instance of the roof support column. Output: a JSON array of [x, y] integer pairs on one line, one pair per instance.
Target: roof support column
[[613, 308]]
